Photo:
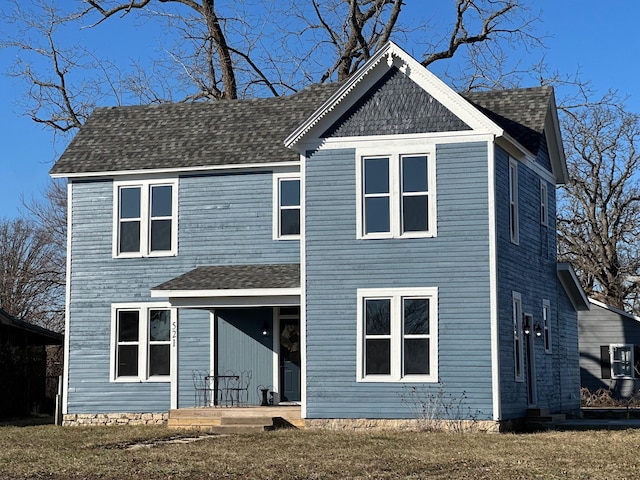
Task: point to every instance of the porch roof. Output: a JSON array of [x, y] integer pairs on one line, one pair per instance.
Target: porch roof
[[234, 284]]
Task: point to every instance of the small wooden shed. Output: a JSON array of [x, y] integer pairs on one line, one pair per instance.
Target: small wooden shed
[[23, 367]]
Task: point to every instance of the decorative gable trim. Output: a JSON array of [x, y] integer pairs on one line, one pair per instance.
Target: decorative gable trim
[[386, 58]]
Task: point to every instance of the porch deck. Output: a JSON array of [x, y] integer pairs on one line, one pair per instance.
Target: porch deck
[[236, 420]]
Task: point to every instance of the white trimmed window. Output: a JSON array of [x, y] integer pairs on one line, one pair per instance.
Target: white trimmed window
[[286, 202], [514, 221], [518, 340], [397, 335], [546, 325], [145, 218], [141, 342], [544, 203], [621, 361], [396, 194]]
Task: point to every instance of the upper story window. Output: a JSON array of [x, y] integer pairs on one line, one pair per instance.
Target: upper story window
[[514, 221], [397, 334], [141, 342], [544, 203], [397, 196], [286, 201], [145, 219]]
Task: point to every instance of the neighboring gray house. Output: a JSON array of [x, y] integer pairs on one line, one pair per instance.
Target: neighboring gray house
[[609, 350], [344, 244]]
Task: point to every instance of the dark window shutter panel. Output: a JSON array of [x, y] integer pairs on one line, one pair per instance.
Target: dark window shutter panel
[[636, 361], [605, 362]]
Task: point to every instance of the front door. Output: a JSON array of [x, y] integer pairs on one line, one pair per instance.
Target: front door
[[290, 361]]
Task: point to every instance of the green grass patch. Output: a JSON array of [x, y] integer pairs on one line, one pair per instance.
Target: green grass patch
[[156, 452]]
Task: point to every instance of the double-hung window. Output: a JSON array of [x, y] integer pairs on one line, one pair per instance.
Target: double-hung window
[[514, 220], [397, 195], [141, 342], [621, 361], [145, 220], [518, 339], [397, 334], [286, 201], [544, 203]]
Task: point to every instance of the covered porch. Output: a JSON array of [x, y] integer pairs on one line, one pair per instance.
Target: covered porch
[[237, 341]]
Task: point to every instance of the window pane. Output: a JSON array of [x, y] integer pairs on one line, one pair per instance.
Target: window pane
[[414, 174], [160, 235], [376, 214], [378, 317], [130, 236], [290, 193], [416, 316], [161, 201], [159, 325], [378, 357], [128, 323], [290, 222], [376, 175], [416, 356], [159, 363], [414, 213], [127, 361], [130, 202]]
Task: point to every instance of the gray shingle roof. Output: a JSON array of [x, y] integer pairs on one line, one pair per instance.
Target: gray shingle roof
[[237, 132], [190, 134], [521, 112], [232, 277]]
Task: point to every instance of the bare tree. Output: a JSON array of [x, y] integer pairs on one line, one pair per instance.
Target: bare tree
[[599, 224], [30, 286]]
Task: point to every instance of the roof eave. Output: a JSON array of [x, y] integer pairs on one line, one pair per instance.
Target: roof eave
[[572, 286]]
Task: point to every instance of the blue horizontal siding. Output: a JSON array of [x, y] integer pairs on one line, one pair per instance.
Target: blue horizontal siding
[[223, 219], [337, 264]]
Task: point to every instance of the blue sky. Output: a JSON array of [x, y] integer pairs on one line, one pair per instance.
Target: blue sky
[[598, 38]]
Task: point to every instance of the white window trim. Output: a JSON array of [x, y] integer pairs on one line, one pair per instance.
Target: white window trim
[[396, 295], [544, 203], [394, 153], [631, 349], [277, 178], [145, 218], [547, 337], [514, 214], [518, 336], [143, 341]]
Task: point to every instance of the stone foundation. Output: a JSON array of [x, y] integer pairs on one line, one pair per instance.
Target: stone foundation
[[99, 419], [355, 424]]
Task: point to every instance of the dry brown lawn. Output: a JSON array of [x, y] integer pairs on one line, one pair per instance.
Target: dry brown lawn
[[146, 453]]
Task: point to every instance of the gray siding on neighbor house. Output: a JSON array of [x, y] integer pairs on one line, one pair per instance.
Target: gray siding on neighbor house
[[602, 327], [528, 268], [223, 219], [456, 261]]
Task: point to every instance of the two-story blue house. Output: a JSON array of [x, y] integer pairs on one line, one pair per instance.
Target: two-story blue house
[[344, 245]]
